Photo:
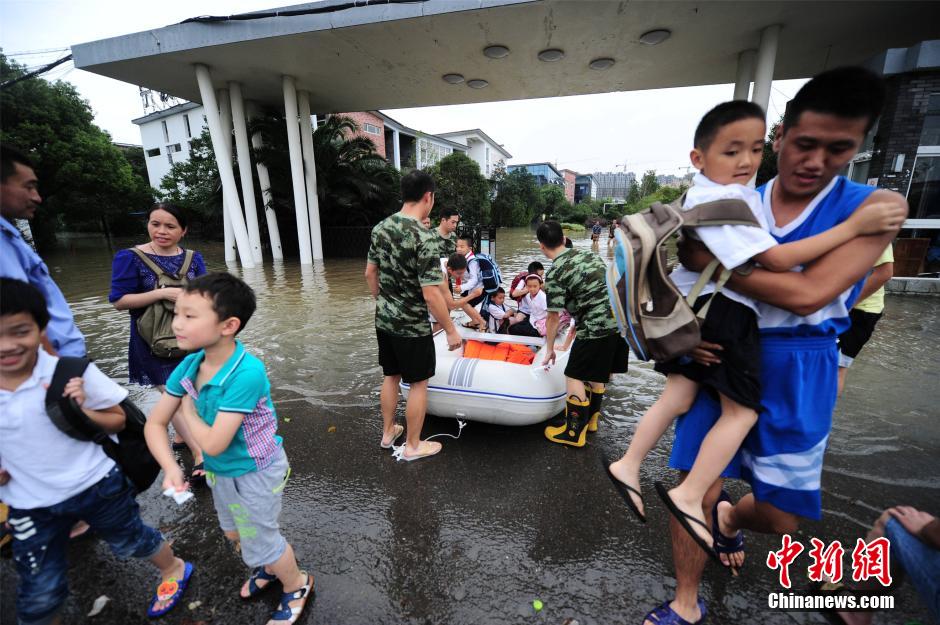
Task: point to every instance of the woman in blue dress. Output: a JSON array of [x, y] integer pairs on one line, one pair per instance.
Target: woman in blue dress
[[134, 288]]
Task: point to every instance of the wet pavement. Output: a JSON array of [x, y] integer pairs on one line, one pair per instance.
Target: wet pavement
[[501, 517]]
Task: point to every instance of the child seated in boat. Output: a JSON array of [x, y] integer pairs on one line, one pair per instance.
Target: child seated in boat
[[537, 306], [456, 267], [498, 317]]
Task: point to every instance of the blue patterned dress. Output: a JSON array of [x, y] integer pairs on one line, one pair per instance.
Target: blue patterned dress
[[129, 275]]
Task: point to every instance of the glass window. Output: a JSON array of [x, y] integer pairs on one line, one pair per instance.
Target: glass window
[[189, 133], [858, 171], [153, 152], [372, 129], [166, 132], [930, 133], [923, 196]]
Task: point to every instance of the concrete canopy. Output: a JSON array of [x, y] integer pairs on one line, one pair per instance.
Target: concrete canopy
[[393, 55]]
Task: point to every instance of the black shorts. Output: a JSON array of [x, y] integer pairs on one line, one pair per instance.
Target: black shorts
[[863, 324], [595, 360], [733, 326], [475, 300], [411, 357]]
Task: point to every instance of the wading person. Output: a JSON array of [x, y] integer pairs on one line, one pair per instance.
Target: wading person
[[801, 314], [576, 283], [404, 275], [19, 199], [136, 286]]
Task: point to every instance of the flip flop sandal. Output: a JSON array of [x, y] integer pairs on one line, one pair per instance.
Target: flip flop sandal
[[665, 615], [684, 519], [198, 480], [170, 590], [420, 455], [624, 490], [287, 614], [725, 544], [253, 588], [398, 431]]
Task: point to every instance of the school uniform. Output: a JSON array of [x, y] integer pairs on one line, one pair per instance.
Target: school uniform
[[782, 456]]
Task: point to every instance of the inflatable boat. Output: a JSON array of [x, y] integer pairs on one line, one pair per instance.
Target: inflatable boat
[[492, 391]]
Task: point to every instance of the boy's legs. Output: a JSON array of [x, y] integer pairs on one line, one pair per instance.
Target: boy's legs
[[40, 543], [677, 397], [717, 450]]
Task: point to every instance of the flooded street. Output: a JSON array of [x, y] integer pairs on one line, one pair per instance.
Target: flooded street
[[501, 517]]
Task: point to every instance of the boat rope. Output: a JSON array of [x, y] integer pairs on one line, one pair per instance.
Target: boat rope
[[398, 451]]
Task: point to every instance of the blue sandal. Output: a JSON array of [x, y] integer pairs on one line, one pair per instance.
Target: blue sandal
[[725, 544], [285, 613], [171, 590], [253, 587], [665, 615]]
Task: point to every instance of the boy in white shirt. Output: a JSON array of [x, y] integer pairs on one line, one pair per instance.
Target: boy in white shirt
[[51, 480], [729, 144], [537, 305], [498, 318]]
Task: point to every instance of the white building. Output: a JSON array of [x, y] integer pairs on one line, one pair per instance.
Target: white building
[[166, 137], [487, 153]]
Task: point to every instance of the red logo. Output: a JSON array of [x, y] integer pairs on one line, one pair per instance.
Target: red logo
[[783, 558], [872, 560], [827, 561]]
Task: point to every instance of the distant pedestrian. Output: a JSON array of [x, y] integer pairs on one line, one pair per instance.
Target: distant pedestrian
[[135, 286], [19, 199], [596, 231], [404, 276]]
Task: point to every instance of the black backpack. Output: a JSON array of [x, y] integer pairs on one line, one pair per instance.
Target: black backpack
[[130, 452]]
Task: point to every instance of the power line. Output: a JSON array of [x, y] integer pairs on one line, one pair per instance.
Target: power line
[[41, 70], [32, 52]]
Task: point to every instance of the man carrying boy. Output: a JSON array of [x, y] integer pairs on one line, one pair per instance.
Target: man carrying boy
[[404, 275], [51, 480], [576, 282], [226, 402], [801, 314], [455, 267]]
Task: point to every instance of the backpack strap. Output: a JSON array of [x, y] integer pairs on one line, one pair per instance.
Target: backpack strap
[[699, 285], [719, 213], [187, 263], [67, 368], [154, 267]]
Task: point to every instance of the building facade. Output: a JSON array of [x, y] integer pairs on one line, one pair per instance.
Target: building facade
[[569, 177], [585, 188], [614, 185], [488, 154], [544, 173], [166, 137]]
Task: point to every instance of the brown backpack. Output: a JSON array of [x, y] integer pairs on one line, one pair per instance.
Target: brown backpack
[[654, 317], [155, 325]]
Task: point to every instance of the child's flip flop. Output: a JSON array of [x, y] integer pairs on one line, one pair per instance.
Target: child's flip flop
[[624, 490], [170, 590]]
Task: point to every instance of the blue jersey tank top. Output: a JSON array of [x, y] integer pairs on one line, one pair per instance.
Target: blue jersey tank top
[[830, 207]]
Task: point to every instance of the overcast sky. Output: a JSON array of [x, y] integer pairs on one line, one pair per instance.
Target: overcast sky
[[626, 131]]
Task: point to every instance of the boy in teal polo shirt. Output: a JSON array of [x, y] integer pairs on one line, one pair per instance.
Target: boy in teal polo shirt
[[225, 398]]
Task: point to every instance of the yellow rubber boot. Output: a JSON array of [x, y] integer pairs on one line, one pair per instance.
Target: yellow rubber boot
[[595, 398], [574, 431]]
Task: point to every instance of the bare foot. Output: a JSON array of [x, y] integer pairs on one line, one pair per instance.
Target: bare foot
[[179, 570], [736, 559], [260, 584], [79, 529], [631, 477]]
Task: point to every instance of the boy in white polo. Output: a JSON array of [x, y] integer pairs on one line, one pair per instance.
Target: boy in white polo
[[226, 401], [51, 480]]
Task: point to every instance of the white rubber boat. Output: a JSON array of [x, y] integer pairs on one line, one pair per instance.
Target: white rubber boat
[[492, 391]]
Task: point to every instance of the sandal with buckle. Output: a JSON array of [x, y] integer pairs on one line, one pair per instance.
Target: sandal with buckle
[[665, 615], [171, 590], [258, 573], [285, 613]]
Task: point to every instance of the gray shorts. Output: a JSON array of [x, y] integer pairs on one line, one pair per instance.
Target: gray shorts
[[251, 504]]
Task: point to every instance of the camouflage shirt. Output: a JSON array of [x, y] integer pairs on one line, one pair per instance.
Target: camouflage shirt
[[445, 245], [577, 282], [407, 260]]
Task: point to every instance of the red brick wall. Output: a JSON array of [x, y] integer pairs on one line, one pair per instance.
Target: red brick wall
[[570, 177], [364, 118]]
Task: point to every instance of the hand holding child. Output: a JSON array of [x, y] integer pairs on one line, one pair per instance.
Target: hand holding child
[[878, 217]]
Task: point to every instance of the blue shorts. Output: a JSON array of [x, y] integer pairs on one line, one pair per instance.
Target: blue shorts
[[782, 456], [921, 564], [41, 537]]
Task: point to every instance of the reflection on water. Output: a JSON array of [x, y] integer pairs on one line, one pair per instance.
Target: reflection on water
[[501, 517]]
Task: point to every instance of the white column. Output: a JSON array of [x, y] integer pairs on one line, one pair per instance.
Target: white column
[[225, 114], [264, 181], [396, 143], [310, 171], [244, 170], [766, 57], [742, 83], [297, 169], [223, 158]]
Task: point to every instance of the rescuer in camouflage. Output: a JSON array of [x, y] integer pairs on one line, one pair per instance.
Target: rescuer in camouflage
[[577, 282], [407, 257]]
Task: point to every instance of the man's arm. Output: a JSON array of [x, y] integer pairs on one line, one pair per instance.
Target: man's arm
[[879, 276], [372, 278], [435, 301], [551, 332]]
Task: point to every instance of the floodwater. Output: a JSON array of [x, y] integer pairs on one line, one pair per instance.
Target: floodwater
[[501, 517]]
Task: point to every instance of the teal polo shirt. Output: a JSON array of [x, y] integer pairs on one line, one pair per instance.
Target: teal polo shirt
[[241, 386]]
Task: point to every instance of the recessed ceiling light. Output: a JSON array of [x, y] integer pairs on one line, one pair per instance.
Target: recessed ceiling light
[[477, 83], [601, 63], [551, 55], [454, 79], [653, 37], [496, 52]]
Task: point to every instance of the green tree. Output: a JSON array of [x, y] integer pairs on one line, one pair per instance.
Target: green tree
[[195, 185], [768, 161], [633, 195], [517, 200], [461, 186], [86, 182], [553, 203], [648, 185]]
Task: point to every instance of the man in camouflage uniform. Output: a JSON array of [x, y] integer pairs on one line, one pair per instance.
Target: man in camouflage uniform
[[447, 232], [576, 283], [404, 274]]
